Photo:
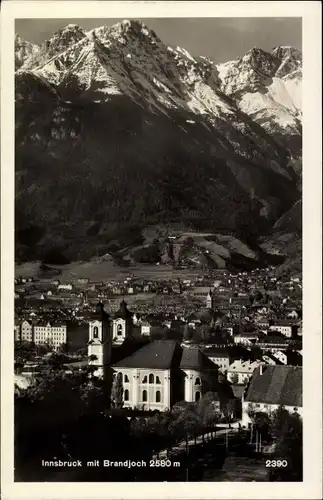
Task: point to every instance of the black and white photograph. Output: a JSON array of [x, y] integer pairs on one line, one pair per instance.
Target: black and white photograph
[[158, 264]]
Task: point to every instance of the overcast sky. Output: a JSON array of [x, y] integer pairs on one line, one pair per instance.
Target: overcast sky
[[221, 39]]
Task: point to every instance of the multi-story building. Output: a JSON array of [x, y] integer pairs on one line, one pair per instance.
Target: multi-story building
[[285, 327], [67, 286], [219, 356], [54, 334], [26, 331], [271, 387], [246, 338], [292, 358], [273, 343], [240, 371]]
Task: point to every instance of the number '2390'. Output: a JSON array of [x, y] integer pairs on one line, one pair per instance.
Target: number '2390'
[[276, 463]]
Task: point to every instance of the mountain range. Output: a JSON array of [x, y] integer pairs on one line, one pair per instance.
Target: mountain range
[[116, 131]]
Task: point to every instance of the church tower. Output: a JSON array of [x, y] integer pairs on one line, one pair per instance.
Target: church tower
[[99, 344], [122, 324]]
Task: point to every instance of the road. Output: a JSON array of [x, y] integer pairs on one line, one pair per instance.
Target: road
[[180, 447]]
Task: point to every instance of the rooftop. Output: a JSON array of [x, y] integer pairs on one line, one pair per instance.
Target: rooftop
[[243, 366], [167, 354], [222, 352], [280, 385], [194, 359], [159, 354]]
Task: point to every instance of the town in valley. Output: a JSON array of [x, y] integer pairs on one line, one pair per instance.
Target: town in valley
[[194, 367]]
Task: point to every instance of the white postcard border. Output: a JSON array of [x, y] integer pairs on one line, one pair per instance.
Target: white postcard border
[[310, 12]]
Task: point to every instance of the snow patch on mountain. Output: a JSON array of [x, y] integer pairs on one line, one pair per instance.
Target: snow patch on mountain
[[267, 87]]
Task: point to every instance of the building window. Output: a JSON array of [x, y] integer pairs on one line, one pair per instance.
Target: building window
[[126, 395], [157, 396], [119, 330], [151, 378], [144, 380], [95, 332], [144, 395], [197, 395], [126, 379], [198, 381], [157, 380]]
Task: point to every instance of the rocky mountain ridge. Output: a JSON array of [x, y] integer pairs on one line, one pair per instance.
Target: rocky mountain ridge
[[23, 51], [194, 152], [268, 87]]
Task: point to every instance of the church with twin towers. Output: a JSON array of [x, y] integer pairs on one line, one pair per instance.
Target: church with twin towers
[[155, 374]]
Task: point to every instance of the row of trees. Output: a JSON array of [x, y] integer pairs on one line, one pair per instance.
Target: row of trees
[[28, 351], [185, 421]]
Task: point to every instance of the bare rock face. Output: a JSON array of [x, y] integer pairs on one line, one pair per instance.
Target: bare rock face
[[23, 50]]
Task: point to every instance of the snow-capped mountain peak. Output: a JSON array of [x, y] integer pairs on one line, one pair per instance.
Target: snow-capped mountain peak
[[267, 86], [129, 59], [58, 43], [261, 61]]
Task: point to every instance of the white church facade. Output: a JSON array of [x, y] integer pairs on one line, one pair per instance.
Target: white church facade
[[155, 376], [162, 373]]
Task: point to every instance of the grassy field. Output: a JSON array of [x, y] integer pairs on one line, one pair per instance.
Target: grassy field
[[106, 270]]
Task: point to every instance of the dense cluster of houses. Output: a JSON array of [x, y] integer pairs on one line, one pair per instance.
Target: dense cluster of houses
[[253, 323]]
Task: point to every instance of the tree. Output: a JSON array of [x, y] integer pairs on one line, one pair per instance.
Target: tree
[[56, 360], [206, 409], [287, 430], [23, 352], [42, 349], [117, 391], [258, 296], [62, 348], [63, 414]]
